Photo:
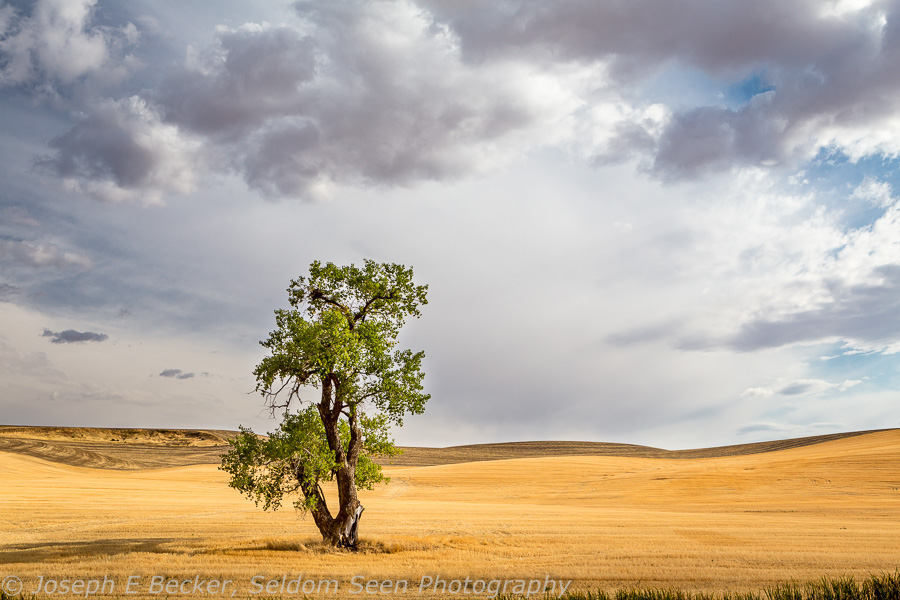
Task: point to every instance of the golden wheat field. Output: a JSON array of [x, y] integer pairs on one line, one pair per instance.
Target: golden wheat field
[[710, 524]]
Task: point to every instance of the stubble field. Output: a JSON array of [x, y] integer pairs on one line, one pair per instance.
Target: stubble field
[[602, 516]]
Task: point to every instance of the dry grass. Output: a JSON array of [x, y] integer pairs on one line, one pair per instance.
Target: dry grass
[[715, 524]]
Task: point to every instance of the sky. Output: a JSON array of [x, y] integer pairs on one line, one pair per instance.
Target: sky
[[671, 224]]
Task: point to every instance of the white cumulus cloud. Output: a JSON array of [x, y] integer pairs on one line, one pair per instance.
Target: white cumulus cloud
[[58, 43], [42, 254]]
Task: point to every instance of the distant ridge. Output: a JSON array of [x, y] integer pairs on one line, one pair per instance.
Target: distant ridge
[[419, 456], [187, 437], [132, 449], [120, 449]]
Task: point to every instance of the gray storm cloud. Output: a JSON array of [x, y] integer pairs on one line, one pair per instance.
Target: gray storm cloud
[[395, 93], [295, 110], [863, 313], [832, 73], [41, 255], [176, 374], [718, 37], [70, 336], [123, 151], [8, 291]]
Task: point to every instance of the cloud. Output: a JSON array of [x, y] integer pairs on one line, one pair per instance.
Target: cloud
[[176, 373], [18, 215], [23, 365], [123, 151], [796, 388], [793, 430], [250, 75], [800, 387], [715, 138], [772, 269], [866, 315], [757, 392], [70, 336], [764, 428], [42, 254], [57, 44], [822, 76], [356, 94], [397, 92], [878, 193], [8, 291], [717, 40], [642, 335]]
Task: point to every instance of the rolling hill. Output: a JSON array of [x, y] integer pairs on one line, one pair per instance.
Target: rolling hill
[[130, 449]]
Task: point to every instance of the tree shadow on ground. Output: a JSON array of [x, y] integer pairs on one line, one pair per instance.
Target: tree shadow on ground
[[62, 551]]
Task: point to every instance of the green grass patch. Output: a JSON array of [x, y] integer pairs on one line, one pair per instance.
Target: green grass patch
[[885, 586]]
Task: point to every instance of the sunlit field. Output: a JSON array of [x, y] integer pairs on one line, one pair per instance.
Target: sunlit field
[[731, 523]]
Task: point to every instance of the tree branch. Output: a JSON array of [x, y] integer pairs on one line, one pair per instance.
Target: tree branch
[[318, 294], [360, 315]]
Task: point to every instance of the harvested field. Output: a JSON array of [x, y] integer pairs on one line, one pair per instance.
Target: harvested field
[[731, 520], [117, 448]]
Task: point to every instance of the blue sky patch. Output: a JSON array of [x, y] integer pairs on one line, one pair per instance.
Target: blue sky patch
[[740, 93]]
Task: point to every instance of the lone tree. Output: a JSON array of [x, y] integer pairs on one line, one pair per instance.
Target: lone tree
[[339, 337]]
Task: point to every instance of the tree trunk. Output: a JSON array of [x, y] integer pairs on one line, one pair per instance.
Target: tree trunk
[[327, 527], [321, 515], [343, 529]]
